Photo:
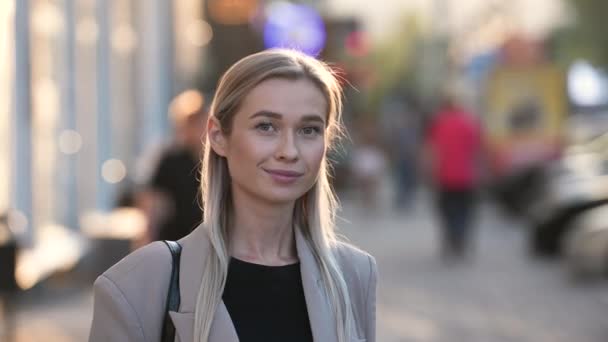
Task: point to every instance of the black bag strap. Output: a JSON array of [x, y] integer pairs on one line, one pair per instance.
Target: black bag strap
[[173, 297]]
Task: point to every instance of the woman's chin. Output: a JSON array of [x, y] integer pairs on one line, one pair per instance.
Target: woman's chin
[[284, 196]]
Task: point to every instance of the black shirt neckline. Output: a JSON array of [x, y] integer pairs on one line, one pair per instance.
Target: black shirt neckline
[[262, 266]]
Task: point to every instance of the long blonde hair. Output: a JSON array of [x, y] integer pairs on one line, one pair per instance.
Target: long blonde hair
[[314, 212]]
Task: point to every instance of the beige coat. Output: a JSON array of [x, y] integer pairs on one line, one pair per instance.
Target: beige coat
[[130, 296]]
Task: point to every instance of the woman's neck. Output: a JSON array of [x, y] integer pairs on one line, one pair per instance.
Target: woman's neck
[[262, 233]]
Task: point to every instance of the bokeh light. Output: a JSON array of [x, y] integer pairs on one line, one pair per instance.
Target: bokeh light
[[199, 33], [232, 12], [47, 100], [122, 223], [17, 222], [70, 142], [124, 40], [113, 171], [294, 26], [47, 19], [357, 44], [58, 249], [586, 85]]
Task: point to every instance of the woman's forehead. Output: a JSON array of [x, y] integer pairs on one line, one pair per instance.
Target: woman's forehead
[[286, 97]]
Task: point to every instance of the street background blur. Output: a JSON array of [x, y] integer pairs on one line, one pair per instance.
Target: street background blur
[[85, 92]]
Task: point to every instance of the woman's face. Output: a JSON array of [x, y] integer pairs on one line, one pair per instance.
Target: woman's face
[[277, 141]]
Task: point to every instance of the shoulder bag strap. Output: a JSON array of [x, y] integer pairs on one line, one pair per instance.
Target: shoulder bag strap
[[173, 297]]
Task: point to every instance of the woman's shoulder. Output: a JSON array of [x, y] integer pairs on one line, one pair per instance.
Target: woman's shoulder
[[356, 264], [350, 253], [130, 296], [150, 264]]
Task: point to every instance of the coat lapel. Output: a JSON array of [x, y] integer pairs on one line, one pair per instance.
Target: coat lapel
[[195, 248], [222, 329], [320, 314], [184, 324]]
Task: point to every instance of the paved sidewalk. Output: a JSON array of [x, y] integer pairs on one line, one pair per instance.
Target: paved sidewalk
[[500, 295]]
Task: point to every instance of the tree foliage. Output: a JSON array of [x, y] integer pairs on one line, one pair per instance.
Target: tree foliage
[[586, 36]]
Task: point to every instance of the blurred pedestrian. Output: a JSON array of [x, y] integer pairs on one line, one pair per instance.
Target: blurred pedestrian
[[170, 199], [402, 138], [368, 164], [265, 265], [453, 147]]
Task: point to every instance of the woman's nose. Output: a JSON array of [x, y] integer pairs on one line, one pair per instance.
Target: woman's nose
[[287, 149]]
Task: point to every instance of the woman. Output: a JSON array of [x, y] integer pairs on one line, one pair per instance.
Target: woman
[[265, 264]]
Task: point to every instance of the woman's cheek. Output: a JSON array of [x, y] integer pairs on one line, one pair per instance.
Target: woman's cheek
[[316, 157]]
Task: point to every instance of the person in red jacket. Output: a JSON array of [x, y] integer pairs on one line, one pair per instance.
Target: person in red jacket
[[453, 145]]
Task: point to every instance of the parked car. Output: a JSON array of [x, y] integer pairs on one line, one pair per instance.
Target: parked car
[[586, 245], [577, 183]]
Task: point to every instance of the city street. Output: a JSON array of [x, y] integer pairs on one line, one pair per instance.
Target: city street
[[110, 110], [499, 295]]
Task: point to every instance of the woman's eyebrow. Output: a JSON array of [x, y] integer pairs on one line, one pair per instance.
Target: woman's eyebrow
[[274, 115], [266, 113], [313, 117]]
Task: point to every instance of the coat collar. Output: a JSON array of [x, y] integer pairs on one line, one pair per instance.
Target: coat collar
[[195, 248]]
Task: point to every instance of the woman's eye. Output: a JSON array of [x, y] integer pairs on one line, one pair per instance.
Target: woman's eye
[[311, 131], [265, 127]]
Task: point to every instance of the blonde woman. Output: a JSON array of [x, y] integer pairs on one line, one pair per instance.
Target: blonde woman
[[265, 264]]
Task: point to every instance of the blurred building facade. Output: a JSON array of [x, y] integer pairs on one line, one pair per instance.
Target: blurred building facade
[[85, 89]]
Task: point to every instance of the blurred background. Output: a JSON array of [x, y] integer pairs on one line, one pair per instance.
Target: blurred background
[[91, 93]]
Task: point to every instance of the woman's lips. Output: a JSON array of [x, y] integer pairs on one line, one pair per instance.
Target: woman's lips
[[284, 176]]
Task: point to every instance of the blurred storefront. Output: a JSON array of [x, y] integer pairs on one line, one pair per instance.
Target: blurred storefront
[[85, 86]]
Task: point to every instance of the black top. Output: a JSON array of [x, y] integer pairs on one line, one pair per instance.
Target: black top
[[177, 176], [266, 303]]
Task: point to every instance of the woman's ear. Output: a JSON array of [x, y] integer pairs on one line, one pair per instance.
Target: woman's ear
[[216, 136]]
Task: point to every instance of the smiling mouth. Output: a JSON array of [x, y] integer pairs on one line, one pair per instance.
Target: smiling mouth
[[284, 173], [284, 176]]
